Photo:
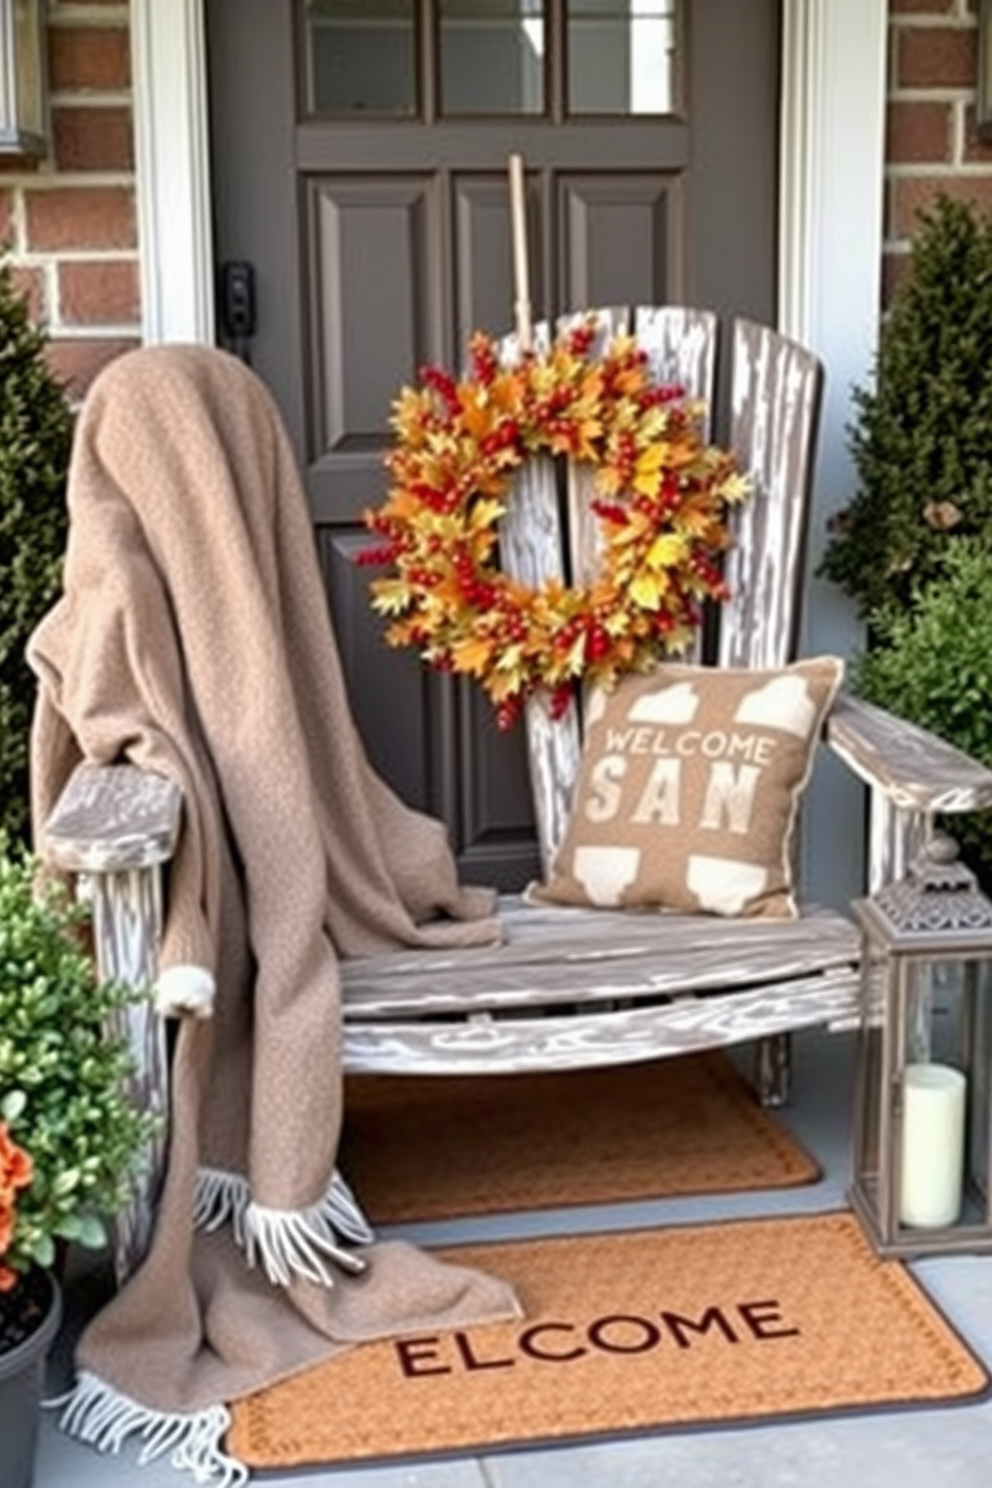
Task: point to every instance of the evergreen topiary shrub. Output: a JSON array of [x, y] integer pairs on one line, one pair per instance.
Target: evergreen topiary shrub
[[36, 426], [921, 437], [931, 662]]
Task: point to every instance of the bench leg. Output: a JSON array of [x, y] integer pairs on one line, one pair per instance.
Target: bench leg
[[774, 1069], [127, 921]]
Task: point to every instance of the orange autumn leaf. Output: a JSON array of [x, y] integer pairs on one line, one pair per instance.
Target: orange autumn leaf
[[472, 655]]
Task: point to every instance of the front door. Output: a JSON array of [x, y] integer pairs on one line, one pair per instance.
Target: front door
[[359, 164]]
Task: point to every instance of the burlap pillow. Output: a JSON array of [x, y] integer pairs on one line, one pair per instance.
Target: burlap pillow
[[689, 787]]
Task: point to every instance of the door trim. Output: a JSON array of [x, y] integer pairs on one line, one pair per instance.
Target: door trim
[[172, 158]]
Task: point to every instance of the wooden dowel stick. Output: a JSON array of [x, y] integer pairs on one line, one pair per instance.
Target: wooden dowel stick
[[521, 273]]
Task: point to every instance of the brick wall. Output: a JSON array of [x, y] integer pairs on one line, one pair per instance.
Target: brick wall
[[931, 142], [70, 220]]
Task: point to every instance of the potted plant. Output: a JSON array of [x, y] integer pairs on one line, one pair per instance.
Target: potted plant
[[71, 1139]]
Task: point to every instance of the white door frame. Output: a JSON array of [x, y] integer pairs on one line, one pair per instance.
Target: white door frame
[[830, 252]]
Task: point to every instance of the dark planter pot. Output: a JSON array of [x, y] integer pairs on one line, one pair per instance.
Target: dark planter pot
[[22, 1379]]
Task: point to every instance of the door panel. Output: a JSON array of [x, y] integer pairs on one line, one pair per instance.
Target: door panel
[[370, 244], [382, 240], [620, 238]]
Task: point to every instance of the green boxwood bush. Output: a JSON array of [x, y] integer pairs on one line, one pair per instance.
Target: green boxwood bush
[[36, 425], [65, 1065], [931, 662]]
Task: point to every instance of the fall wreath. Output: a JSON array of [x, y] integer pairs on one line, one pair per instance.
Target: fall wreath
[[659, 493]]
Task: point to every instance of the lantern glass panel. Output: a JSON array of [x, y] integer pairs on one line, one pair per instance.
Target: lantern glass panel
[[871, 1067], [944, 1087], [979, 1113]]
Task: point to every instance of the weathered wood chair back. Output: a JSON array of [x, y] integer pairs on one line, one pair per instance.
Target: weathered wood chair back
[[775, 404]]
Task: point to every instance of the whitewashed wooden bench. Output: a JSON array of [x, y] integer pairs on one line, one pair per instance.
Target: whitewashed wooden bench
[[571, 988]]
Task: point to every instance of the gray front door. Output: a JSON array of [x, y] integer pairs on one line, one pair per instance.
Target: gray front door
[[359, 158]]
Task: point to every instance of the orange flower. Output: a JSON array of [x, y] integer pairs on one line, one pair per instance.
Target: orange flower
[[16, 1172], [16, 1168], [6, 1226]]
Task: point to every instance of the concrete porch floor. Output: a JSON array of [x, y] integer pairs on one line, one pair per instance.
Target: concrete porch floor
[[949, 1448]]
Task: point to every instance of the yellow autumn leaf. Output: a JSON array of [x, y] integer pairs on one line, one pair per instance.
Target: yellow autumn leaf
[[390, 596], [502, 685], [650, 461], [665, 551], [736, 487], [647, 590], [484, 514], [510, 659]]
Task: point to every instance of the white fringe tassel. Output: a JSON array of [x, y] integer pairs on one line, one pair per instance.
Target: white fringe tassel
[[98, 1414], [285, 1240]]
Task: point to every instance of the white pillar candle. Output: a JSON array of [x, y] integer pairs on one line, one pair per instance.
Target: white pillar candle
[[932, 1158]]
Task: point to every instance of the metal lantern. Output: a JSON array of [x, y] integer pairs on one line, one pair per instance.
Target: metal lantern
[[23, 102], [922, 1183]]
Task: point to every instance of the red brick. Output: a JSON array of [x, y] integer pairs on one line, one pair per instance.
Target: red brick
[[89, 58], [919, 132], [910, 194], [105, 293], [85, 217], [76, 363], [92, 139], [935, 57], [921, 7], [19, 165], [6, 217]]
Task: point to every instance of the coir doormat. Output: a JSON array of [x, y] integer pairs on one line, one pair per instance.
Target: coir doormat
[[419, 1148], [732, 1322]]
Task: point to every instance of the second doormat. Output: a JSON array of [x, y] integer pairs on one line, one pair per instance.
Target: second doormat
[[744, 1320], [419, 1148]]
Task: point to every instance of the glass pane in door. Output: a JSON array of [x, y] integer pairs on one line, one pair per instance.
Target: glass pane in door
[[621, 56], [492, 56], [361, 56]]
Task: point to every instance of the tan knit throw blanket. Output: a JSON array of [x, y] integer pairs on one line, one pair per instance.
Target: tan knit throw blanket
[[193, 639]]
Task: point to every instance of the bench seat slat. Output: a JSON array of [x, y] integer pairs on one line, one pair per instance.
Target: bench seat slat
[[562, 955], [619, 1036]]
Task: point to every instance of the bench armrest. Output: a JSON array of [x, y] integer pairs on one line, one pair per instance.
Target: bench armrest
[[911, 767], [111, 818]]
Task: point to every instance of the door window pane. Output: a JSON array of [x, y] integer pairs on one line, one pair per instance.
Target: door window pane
[[492, 56], [361, 56], [621, 56]]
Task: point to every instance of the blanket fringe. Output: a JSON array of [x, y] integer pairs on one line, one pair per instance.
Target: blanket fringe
[[284, 1240], [102, 1416]]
